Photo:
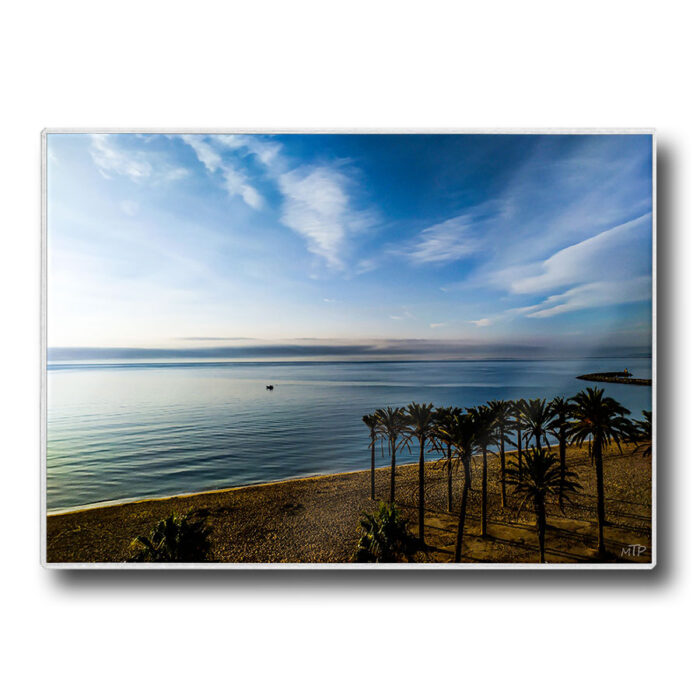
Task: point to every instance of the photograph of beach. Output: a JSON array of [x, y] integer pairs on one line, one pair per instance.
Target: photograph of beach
[[349, 349]]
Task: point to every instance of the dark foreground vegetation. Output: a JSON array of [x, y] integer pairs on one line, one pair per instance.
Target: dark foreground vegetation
[[177, 538]]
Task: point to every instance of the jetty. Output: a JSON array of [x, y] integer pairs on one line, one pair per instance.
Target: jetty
[[624, 377]]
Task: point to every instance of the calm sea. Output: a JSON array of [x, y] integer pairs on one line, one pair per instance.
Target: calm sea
[[124, 431]]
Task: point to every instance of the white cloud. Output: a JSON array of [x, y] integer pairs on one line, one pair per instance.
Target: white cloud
[[569, 189], [317, 206], [234, 181], [235, 184], [204, 152], [111, 160], [612, 267], [482, 322], [404, 315], [437, 325], [315, 199], [444, 242], [267, 152], [563, 191], [608, 254], [595, 294]]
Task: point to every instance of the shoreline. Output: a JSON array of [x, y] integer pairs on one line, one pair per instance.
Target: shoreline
[[224, 489], [313, 519]]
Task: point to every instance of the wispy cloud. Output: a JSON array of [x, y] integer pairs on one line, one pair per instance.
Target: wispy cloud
[[205, 153], [567, 190], [266, 151], [564, 191], [593, 295], [444, 242], [437, 325], [111, 160], [612, 267], [316, 201], [403, 316], [482, 322], [608, 254], [235, 181], [317, 206]]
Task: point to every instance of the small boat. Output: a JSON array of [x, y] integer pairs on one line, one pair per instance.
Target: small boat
[[269, 387]]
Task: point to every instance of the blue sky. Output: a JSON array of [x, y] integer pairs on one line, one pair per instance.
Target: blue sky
[[453, 245]]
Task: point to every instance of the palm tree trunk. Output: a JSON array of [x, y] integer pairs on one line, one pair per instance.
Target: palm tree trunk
[[541, 524], [598, 454], [449, 478], [483, 494], [421, 492], [392, 488], [562, 463], [463, 510], [503, 469], [372, 469], [520, 453]]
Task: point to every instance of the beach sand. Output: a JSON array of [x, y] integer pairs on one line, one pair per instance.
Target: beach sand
[[315, 519]]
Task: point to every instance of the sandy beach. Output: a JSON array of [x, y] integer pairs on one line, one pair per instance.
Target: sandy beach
[[315, 519]]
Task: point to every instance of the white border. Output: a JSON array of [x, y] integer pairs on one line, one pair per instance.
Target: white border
[[344, 566]]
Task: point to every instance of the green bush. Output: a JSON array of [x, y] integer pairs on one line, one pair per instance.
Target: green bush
[[177, 538], [384, 536]]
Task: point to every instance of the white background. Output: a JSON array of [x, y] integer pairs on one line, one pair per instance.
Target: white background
[[348, 65]]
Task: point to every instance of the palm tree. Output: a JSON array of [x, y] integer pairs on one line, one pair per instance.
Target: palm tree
[[384, 536], [443, 417], [542, 476], [558, 425], [502, 425], [485, 436], [644, 433], [177, 538], [602, 420], [517, 418], [534, 418], [459, 431], [371, 420], [419, 424], [390, 425]]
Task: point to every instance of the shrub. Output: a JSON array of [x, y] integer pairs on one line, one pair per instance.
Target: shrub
[[177, 538], [384, 536]]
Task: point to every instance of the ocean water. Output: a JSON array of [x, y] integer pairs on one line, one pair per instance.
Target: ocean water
[[125, 431]]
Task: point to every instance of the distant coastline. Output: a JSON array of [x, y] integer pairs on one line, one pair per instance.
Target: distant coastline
[[614, 378]]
